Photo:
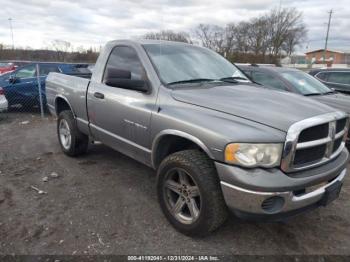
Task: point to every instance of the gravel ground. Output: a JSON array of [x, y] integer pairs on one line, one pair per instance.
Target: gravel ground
[[105, 203]]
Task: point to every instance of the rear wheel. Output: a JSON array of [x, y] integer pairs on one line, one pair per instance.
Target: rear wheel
[[189, 193], [72, 141]]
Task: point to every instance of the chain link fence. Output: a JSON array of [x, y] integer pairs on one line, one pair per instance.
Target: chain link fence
[[23, 90]]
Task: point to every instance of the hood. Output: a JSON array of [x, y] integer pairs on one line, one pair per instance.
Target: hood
[[277, 109], [337, 100]]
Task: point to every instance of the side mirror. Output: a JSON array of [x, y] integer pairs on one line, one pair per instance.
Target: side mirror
[[13, 79], [122, 79], [138, 85]]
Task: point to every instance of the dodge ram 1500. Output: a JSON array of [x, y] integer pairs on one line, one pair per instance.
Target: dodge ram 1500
[[218, 141]]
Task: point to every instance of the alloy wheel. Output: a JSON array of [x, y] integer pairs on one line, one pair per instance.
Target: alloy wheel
[[182, 196], [65, 134]]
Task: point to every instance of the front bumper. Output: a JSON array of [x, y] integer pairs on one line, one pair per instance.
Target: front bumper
[[272, 193]]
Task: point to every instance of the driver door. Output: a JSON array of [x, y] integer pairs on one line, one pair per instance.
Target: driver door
[[121, 117]]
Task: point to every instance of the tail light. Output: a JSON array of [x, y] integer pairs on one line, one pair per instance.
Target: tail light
[[2, 91]]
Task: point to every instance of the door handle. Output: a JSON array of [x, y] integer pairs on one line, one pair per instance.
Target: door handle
[[99, 95]]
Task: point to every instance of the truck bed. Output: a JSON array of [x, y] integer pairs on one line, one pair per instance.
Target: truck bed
[[73, 88]]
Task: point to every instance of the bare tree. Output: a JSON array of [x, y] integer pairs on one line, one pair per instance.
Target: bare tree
[[285, 24], [294, 38], [169, 35], [265, 36], [61, 47], [240, 33], [211, 36], [83, 55], [230, 39], [258, 39]]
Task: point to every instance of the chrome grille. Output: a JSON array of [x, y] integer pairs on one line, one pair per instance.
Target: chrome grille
[[314, 141]]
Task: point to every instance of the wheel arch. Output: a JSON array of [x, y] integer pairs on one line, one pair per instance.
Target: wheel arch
[[61, 103], [170, 141]]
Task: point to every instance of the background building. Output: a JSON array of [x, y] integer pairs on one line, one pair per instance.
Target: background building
[[332, 57]]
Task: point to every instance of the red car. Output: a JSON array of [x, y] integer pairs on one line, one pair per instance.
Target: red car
[[7, 67]]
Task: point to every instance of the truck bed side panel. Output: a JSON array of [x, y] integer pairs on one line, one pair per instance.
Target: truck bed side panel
[[73, 90]]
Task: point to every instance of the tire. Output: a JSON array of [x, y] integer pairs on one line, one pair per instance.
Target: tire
[[211, 210], [78, 142]]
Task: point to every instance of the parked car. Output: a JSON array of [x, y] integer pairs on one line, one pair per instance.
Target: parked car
[[216, 143], [21, 85], [299, 82], [3, 101], [11, 65], [6, 67], [336, 78]]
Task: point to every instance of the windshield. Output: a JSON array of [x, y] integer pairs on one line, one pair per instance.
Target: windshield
[[305, 83], [180, 63]]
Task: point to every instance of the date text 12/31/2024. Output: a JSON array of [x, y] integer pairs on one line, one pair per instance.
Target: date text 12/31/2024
[[173, 258]]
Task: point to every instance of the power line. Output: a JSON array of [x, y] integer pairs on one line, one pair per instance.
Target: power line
[[326, 43]]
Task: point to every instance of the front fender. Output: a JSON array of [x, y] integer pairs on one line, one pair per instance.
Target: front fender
[[178, 133]]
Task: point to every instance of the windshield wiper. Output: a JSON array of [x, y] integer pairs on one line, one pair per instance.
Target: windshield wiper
[[328, 92], [195, 80], [233, 79], [313, 94]]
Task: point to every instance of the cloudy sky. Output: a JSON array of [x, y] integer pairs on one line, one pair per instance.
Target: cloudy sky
[[93, 22]]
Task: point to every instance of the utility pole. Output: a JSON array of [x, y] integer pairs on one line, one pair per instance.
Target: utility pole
[[326, 43], [11, 29], [279, 17]]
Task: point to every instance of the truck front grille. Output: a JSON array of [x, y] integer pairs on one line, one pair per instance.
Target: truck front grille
[[309, 155], [341, 125], [314, 141], [337, 144], [313, 133]]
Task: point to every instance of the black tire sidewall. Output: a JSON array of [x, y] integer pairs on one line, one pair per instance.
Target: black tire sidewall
[[202, 224]]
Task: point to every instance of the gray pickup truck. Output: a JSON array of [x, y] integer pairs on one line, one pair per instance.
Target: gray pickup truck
[[217, 141]]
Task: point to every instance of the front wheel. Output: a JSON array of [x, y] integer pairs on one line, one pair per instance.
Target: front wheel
[[189, 193], [72, 141]]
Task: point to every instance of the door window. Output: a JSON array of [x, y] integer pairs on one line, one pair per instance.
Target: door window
[[323, 76], [125, 58], [339, 77], [26, 72], [268, 80], [46, 69]]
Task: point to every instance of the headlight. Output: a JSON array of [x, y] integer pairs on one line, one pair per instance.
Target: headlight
[[253, 155]]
